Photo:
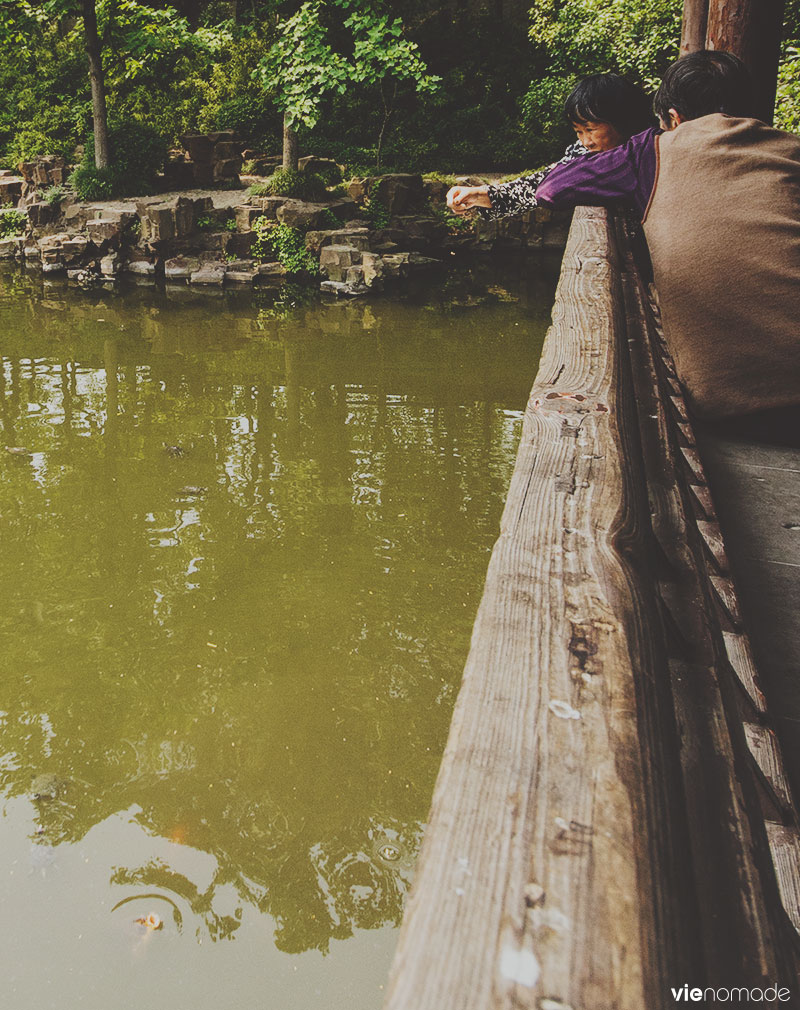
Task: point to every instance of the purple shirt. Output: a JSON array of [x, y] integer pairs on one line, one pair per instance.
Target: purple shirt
[[627, 172]]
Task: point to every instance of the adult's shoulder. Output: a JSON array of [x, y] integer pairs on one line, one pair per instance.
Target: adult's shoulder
[[734, 135]]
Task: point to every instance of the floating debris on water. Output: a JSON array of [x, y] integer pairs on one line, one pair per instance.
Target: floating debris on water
[[151, 921]]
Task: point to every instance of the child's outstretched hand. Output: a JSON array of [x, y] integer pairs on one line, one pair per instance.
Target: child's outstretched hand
[[460, 199]]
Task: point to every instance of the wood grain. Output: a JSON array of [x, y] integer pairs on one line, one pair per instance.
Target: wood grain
[[535, 874]]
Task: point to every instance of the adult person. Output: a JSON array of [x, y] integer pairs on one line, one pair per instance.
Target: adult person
[[719, 196], [604, 110]]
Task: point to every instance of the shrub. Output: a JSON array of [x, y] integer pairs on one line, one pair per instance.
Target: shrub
[[330, 174], [12, 222], [377, 212], [53, 195], [137, 153], [91, 183], [30, 142], [300, 185], [286, 244]]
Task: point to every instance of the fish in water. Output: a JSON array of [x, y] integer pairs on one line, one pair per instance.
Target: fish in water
[[176, 451], [18, 450], [150, 922]]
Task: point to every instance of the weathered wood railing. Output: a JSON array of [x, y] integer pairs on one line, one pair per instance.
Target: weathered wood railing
[[596, 835]]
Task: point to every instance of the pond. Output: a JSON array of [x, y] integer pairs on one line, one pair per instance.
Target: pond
[[243, 543]]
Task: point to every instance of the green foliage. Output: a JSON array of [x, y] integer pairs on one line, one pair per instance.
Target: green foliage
[[305, 65], [377, 213], [443, 177], [230, 224], [580, 37], [53, 195], [285, 244], [330, 220], [453, 222], [203, 223], [137, 155], [12, 222], [300, 66], [330, 174], [91, 183], [296, 184]]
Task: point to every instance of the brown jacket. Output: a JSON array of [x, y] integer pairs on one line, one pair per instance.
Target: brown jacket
[[723, 227]]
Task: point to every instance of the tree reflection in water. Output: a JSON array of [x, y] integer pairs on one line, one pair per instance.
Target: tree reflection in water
[[240, 568]]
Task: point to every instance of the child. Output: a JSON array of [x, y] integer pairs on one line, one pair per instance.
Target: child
[[605, 110], [718, 194]]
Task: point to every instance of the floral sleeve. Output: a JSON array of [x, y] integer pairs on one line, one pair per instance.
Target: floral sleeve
[[519, 195]]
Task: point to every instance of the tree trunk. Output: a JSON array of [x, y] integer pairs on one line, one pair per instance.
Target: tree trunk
[[99, 115], [388, 109], [695, 20], [751, 29], [290, 148]]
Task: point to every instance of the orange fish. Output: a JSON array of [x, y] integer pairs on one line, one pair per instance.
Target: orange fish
[[150, 921]]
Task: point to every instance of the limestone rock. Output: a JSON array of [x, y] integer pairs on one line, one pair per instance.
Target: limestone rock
[[212, 273], [356, 237], [105, 231], [320, 166], [302, 215], [372, 267], [270, 205], [396, 264], [141, 267], [109, 265], [11, 189], [240, 276], [245, 215], [31, 251], [180, 268], [75, 249], [340, 289], [335, 259], [268, 270], [354, 279], [417, 260], [399, 193], [9, 247]]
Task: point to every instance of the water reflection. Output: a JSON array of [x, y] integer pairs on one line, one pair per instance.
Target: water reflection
[[242, 552]]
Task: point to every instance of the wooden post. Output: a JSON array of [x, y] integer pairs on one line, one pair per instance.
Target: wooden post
[[751, 29], [693, 29]]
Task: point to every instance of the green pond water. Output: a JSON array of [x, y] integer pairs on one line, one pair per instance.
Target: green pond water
[[243, 545]]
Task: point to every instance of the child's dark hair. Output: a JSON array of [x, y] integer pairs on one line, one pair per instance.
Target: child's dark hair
[[705, 82], [609, 98]]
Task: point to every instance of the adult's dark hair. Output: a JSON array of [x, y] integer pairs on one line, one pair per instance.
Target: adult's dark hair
[[609, 98], [705, 82]]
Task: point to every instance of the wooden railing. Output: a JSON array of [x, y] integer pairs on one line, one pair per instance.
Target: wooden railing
[[596, 836]]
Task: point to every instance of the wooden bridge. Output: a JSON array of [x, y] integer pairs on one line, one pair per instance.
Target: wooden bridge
[[612, 819]]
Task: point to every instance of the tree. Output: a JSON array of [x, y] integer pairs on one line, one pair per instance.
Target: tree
[[306, 64], [99, 110], [580, 37], [122, 38], [752, 30]]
